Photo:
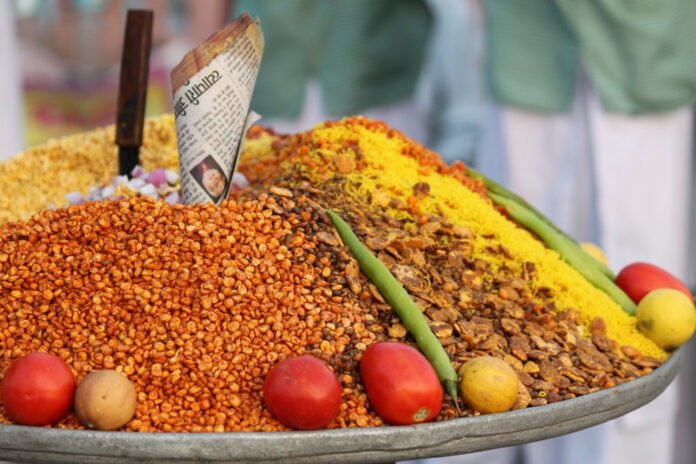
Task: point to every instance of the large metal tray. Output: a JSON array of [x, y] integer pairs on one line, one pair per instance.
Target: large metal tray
[[377, 444]]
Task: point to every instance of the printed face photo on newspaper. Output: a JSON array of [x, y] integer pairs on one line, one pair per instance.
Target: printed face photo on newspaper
[[208, 174]]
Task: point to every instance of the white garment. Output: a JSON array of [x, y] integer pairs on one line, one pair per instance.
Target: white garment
[[451, 87], [643, 172], [11, 113], [636, 169], [547, 164], [405, 115]]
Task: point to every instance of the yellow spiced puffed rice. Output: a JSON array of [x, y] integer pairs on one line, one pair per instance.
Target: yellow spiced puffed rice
[[42, 175]]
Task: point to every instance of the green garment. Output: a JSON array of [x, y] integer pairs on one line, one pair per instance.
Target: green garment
[[640, 55], [364, 53]]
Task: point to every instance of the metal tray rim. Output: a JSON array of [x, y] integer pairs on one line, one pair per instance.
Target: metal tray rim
[[371, 444]]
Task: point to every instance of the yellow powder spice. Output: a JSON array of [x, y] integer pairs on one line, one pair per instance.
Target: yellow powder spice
[[388, 169], [41, 176]]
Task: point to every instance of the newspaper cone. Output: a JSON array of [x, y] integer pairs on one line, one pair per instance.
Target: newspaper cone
[[212, 89]]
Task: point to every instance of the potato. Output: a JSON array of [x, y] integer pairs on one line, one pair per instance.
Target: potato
[[105, 400]]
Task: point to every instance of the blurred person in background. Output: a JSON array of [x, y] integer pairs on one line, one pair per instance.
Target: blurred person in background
[[685, 451], [596, 124], [451, 88], [11, 132], [329, 59], [70, 56]]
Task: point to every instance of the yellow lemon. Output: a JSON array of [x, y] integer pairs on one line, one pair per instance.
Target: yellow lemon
[[488, 384], [594, 251], [667, 317]]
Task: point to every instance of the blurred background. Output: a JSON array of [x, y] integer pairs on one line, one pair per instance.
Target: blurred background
[[584, 108], [68, 54]]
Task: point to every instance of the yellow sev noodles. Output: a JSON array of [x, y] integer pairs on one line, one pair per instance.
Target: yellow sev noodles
[[42, 175], [387, 168]]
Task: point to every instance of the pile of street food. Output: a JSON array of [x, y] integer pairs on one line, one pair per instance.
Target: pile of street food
[[220, 318]]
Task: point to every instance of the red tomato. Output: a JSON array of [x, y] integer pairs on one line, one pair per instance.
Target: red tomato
[[37, 389], [302, 393], [401, 384], [639, 279]]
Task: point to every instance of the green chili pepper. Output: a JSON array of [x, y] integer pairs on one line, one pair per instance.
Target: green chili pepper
[[403, 305], [535, 216], [559, 243]]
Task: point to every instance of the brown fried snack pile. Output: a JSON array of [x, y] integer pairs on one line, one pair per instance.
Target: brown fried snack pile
[[472, 309]]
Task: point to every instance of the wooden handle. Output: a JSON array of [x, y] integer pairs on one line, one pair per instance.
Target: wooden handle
[[132, 92]]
